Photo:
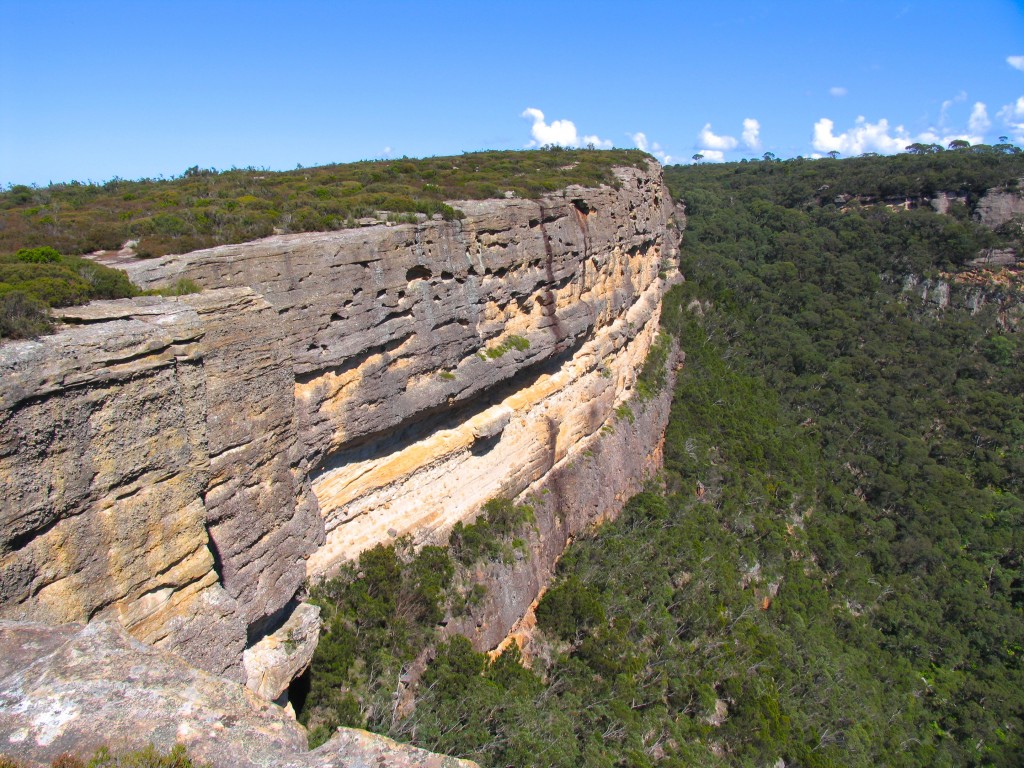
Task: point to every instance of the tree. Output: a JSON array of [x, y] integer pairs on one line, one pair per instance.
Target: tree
[[834, 154], [917, 148], [697, 157]]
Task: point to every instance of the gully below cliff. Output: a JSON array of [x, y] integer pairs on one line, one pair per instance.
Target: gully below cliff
[[180, 467]]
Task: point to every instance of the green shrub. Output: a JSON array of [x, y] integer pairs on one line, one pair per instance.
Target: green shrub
[[378, 616], [624, 413], [147, 757], [42, 255], [654, 372], [518, 342], [570, 607], [486, 538], [206, 208], [21, 316], [47, 278], [512, 342]]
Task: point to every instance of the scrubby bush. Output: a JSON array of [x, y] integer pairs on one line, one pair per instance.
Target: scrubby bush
[[34, 279], [487, 537], [21, 316], [147, 757], [206, 207], [378, 615]]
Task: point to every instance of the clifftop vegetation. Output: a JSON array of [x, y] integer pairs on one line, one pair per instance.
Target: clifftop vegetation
[[33, 280], [206, 207]]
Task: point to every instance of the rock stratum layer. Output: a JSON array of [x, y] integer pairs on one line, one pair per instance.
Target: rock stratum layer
[[180, 467]]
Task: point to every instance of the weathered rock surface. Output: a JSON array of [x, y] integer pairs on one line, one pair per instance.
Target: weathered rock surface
[[71, 689], [943, 202], [182, 465], [999, 206], [281, 656], [147, 462], [999, 289], [406, 423], [103, 462], [994, 257], [178, 467]]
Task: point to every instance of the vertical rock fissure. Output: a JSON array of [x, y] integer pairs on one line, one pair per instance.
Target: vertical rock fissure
[[218, 562]]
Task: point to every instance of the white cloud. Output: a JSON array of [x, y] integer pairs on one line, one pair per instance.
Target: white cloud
[[751, 133], [1017, 62], [837, 91], [1012, 116], [880, 137], [641, 142], [709, 140], [978, 122], [561, 132], [1013, 111], [932, 137], [863, 137], [712, 155]]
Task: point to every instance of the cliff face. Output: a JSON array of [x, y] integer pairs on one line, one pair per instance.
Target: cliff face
[[993, 279], [999, 206], [147, 463], [181, 466]]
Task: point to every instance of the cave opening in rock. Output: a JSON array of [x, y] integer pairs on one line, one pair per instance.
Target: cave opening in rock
[[298, 691]]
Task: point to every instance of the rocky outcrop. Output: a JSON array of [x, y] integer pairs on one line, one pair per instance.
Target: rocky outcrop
[[147, 460], [276, 659], [181, 466], [999, 206], [943, 202], [999, 290], [71, 689], [439, 365], [993, 258]]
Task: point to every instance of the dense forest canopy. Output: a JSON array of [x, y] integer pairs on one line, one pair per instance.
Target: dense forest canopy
[[830, 571]]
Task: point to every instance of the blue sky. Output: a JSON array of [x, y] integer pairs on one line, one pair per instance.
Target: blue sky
[[91, 90]]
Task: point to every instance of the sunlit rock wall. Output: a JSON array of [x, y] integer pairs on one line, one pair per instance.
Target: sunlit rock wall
[[181, 466]]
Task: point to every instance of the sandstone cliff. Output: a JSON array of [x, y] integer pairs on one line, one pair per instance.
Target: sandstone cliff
[[182, 466], [999, 206]]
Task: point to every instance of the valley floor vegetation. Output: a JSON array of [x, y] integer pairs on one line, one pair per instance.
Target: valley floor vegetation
[[830, 571]]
